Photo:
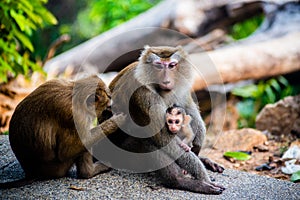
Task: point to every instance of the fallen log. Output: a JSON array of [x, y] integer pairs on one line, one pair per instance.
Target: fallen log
[[190, 17], [252, 61], [270, 51]]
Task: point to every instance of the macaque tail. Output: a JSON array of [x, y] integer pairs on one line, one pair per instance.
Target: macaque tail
[[17, 183]]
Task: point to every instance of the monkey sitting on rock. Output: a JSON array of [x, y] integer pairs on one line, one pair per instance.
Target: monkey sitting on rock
[[144, 90], [178, 122], [51, 129]]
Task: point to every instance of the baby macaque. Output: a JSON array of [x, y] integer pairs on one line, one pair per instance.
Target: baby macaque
[[179, 123]]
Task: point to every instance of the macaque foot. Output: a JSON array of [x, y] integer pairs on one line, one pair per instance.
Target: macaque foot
[[185, 147], [206, 187], [219, 186], [210, 165], [101, 168], [212, 188]]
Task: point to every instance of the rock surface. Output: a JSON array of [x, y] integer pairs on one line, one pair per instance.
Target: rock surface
[[236, 140], [280, 118], [123, 185]]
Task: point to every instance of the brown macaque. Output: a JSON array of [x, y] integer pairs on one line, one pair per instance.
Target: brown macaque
[[161, 78], [178, 122], [52, 129]]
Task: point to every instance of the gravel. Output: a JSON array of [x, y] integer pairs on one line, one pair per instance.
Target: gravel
[[123, 185]]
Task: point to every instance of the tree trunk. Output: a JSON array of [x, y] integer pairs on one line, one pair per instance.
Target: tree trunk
[[253, 61]]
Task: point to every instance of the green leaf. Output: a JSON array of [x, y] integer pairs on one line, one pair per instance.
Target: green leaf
[[24, 40], [25, 4], [274, 83], [50, 18], [246, 91], [295, 176], [237, 155], [20, 19], [283, 81], [246, 108], [270, 94]]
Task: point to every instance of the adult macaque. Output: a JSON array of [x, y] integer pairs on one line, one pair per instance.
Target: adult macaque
[[144, 90], [178, 122], [50, 129]]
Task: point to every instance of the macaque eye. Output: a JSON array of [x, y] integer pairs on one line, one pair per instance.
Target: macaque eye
[[158, 65], [172, 65], [177, 121], [170, 121]]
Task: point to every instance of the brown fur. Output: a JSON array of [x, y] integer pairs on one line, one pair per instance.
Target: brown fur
[[51, 129]]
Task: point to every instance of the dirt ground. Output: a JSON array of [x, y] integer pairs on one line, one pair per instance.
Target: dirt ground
[[258, 158]]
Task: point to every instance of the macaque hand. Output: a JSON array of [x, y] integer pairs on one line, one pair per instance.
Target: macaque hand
[[119, 118], [185, 147]]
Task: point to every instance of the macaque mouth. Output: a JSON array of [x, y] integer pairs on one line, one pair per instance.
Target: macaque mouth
[[173, 131], [166, 87]]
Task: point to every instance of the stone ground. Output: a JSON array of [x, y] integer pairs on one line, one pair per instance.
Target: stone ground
[[122, 185]]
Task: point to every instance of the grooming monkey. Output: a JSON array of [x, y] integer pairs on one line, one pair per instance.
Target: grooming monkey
[[178, 122], [50, 129], [161, 78]]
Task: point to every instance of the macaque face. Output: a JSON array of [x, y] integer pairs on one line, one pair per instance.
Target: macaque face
[[166, 69], [174, 120], [102, 101]]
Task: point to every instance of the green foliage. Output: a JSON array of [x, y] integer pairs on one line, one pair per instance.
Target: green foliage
[[237, 155], [245, 28], [18, 20], [295, 177], [100, 16], [86, 19], [256, 96]]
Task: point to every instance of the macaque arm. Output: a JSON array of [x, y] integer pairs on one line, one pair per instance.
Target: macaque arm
[[187, 131], [199, 130], [196, 124], [189, 135], [104, 129], [187, 119]]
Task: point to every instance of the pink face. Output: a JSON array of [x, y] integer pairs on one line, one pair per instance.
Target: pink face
[[174, 121], [166, 68]]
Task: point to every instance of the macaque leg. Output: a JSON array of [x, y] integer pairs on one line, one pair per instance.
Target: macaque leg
[[210, 165], [172, 177], [87, 169]]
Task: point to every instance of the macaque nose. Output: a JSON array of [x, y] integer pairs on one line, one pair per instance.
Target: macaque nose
[[166, 82], [173, 127]]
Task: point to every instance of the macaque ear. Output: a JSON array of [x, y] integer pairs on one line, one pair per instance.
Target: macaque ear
[[146, 47], [179, 54], [187, 119]]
